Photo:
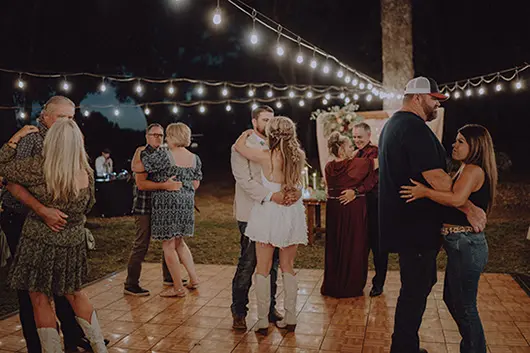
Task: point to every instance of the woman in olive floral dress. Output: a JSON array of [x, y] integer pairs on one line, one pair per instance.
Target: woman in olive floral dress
[[51, 263]]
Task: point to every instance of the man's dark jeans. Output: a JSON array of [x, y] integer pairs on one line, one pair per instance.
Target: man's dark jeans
[[11, 223], [245, 269], [418, 276], [374, 240], [467, 255]]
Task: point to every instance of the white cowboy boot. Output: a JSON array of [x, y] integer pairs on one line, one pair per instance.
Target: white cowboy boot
[[290, 289], [263, 294], [93, 333], [50, 340]]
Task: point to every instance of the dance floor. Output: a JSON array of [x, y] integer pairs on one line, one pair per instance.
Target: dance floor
[[202, 321]]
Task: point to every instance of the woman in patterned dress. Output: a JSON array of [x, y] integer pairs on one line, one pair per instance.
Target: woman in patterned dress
[[51, 263], [173, 212]]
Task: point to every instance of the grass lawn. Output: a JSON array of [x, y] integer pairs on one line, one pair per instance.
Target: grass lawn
[[217, 238]]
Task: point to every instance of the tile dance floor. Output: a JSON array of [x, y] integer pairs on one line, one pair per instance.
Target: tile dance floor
[[202, 321]]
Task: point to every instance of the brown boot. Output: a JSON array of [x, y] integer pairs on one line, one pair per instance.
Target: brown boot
[[239, 322]]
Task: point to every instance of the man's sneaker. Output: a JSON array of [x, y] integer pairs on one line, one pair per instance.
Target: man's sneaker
[[137, 291], [170, 283]]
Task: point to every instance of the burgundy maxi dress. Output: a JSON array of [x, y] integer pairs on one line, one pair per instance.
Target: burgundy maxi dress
[[346, 260]]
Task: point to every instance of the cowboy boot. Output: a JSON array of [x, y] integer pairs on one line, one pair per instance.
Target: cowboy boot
[[263, 294], [290, 289], [49, 340], [93, 333]]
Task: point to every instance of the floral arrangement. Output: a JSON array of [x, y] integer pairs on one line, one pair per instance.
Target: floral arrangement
[[337, 118]]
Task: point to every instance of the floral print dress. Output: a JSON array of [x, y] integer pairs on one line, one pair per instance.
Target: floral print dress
[[45, 261]]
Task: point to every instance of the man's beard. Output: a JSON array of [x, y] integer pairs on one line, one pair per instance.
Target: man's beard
[[431, 115], [261, 131]]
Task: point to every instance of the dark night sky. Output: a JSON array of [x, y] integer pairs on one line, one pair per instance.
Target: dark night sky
[[452, 40]]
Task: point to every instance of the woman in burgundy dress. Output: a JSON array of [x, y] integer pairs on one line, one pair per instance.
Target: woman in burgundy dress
[[346, 265]]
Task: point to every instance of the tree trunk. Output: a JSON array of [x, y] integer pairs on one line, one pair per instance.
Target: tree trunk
[[398, 66]]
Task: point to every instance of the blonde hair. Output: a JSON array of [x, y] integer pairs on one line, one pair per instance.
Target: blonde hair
[[335, 142], [49, 106], [482, 153], [178, 134], [64, 156], [281, 135]]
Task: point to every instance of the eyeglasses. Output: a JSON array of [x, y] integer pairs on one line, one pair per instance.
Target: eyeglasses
[[157, 135]]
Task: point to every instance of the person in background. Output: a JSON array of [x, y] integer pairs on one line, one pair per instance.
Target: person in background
[[104, 164], [142, 213]]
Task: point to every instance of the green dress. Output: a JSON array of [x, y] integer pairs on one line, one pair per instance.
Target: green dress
[[45, 261]]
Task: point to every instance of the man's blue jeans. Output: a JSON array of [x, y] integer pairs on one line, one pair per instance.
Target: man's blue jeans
[[243, 277], [467, 255]]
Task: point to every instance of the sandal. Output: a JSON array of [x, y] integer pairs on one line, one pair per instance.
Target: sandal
[[192, 285], [172, 292]]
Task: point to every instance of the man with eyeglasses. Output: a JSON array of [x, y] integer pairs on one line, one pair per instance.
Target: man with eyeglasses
[[142, 212]]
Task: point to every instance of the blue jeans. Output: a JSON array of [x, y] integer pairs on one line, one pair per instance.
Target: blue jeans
[[467, 255], [245, 269]]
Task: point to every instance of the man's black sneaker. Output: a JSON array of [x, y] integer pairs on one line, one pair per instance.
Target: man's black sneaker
[[137, 291]]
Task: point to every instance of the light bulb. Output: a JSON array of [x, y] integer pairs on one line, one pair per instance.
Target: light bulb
[[175, 109], [251, 92], [326, 69], [138, 88], [340, 73], [301, 103], [498, 87], [217, 17], [313, 64], [369, 98], [200, 90], [291, 94], [224, 92], [481, 91], [147, 111], [171, 89], [86, 113], [309, 94], [270, 93], [347, 100], [327, 96], [21, 84], [254, 38], [279, 50], [22, 115], [370, 86], [254, 106], [355, 82], [325, 101], [469, 92], [518, 85], [347, 79], [300, 58], [228, 108], [202, 109], [457, 95], [279, 104], [66, 86], [342, 95], [447, 94], [102, 87], [361, 85], [356, 96], [116, 112]]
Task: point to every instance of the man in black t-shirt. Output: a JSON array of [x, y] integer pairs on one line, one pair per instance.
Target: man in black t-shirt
[[408, 149]]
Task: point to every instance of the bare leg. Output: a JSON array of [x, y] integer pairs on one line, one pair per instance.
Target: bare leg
[[186, 259], [287, 256], [87, 319], [81, 305], [173, 264], [42, 309], [264, 253]]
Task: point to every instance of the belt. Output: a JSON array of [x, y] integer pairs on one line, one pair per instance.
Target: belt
[[457, 229]]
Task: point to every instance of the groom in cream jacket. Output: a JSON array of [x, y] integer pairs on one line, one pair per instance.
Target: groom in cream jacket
[[249, 189]]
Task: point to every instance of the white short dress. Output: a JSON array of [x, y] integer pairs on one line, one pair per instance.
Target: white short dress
[[275, 224]]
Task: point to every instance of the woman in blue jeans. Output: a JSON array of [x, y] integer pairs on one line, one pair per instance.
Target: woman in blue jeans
[[467, 251]]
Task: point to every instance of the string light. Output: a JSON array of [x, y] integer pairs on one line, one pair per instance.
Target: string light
[[65, 85], [251, 92], [327, 96], [447, 94], [175, 109], [301, 103], [326, 69], [313, 63], [300, 58], [22, 115], [224, 92], [347, 100], [356, 96], [279, 50], [228, 107], [369, 98], [342, 95], [347, 79], [254, 35], [370, 86], [254, 106], [202, 109], [200, 90], [309, 94], [279, 105], [361, 85], [20, 83], [457, 95], [138, 88], [469, 92], [147, 111], [102, 86], [518, 85], [171, 90], [116, 112], [340, 74], [325, 101], [355, 82], [86, 113], [217, 19], [498, 87], [270, 93], [482, 91], [291, 94]]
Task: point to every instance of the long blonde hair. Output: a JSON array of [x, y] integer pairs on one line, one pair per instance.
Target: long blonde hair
[[481, 153], [281, 135], [64, 156]]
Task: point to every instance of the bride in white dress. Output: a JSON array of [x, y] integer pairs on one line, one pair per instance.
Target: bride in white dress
[[271, 225]]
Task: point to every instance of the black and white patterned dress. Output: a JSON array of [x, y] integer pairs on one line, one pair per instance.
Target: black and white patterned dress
[[173, 212]]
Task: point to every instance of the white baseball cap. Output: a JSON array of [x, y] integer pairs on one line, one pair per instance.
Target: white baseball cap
[[424, 85]]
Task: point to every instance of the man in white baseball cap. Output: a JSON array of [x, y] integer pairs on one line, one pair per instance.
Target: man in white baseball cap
[[408, 149]]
